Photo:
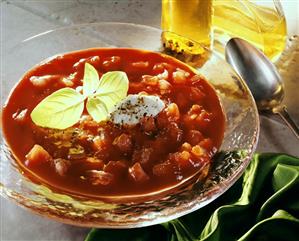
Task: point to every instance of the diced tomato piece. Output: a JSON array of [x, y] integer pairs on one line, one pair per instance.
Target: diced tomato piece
[[161, 67], [61, 166], [95, 61], [77, 152], [165, 86], [80, 64], [88, 123], [123, 143], [137, 67], [37, 155], [85, 141], [150, 80], [93, 163], [197, 118], [174, 133], [173, 112], [203, 119], [164, 169], [140, 65], [112, 63], [137, 173], [142, 156], [180, 76], [183, 159], [99, 143], [148, 124], [194, 137], [146, 155], [99, 177], [116, 167], [68, 81], [164, 75], [45, 81], [207, 144], [162, 120]]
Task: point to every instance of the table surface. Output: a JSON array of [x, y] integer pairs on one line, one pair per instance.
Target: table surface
[[22, 19]]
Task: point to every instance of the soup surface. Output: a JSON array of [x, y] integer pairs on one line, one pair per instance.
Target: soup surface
[[162, 148]]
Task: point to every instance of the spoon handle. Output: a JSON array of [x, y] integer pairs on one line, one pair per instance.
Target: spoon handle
[[283, 113]]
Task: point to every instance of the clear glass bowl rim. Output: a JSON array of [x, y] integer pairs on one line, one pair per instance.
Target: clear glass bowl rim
[[225, 185]]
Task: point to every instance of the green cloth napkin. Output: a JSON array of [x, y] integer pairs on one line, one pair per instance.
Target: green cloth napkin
[[262, 205]]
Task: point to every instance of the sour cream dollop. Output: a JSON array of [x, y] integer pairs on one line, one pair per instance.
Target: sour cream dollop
[[133, 108]]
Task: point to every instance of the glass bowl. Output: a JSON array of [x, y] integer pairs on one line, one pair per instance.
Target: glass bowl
[[240, 138]]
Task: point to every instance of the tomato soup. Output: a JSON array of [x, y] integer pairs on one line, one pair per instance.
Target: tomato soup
[[107, 158]]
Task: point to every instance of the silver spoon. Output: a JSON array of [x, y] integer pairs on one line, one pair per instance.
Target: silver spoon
[[261, 77]]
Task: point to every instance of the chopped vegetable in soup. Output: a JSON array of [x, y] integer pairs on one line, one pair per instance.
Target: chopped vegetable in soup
[[113, 122]]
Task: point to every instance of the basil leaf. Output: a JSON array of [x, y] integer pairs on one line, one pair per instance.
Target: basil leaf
[[97, 109], [64, 107], [90, 80], [59, 110], [112, 89], [114, 84]]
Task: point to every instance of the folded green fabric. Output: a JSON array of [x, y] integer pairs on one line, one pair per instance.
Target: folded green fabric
[[262, 205]]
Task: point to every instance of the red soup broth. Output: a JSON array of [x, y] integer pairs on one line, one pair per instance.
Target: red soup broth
[[98, 159]]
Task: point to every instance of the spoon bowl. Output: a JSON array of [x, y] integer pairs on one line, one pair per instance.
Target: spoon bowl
[[261, 76]]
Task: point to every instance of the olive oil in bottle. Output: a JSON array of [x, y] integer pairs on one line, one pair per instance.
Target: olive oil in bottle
[[260, 22], [186, 26]]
